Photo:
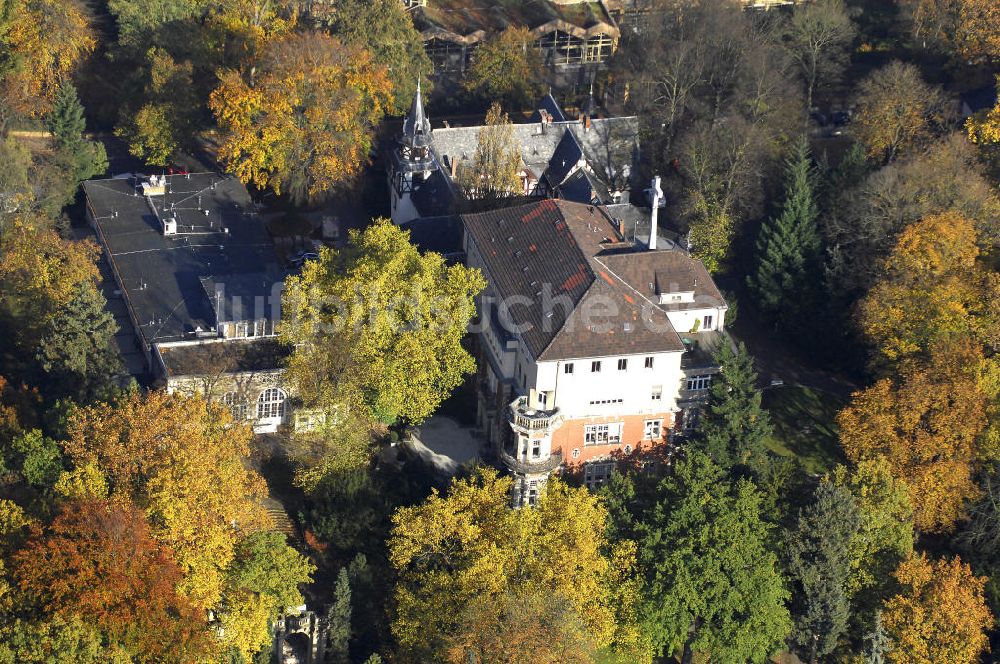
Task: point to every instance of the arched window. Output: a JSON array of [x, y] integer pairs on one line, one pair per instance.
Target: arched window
[[271, 404], [237, 405]]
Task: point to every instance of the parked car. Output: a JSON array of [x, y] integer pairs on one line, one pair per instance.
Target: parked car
[[300, 259]]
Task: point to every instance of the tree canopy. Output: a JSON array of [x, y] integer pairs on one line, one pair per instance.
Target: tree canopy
[[303, 124]]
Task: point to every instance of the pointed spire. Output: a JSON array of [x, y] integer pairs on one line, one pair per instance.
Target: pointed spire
[[590, 107], [416, 123]]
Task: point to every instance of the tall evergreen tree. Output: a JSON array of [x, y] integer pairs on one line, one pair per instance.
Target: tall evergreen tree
[[876, 643], [819, 563], [735, 426], [788, 246], [712, 585], [80, 158], [339, 620]]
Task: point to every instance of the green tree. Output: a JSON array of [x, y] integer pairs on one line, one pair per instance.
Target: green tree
[[884, 537], [53, 640], [37, 457], [788, 245], [15, 189], [139, 20], [735, 426], [492, 177], [876, 643], [711, 584], [385, 28], [339, 620], [506, 67], [76, 350], [265, 564], [377, 328], [818, 548], [77, 159], [165, 119]]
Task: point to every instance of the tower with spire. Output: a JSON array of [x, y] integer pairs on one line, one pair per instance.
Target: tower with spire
[[412, 162]]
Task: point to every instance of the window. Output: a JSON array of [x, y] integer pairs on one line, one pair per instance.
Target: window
[[595, 367], [568, 368], [604, 402], [699, 382], [575, 453], [602, 434], [237, 405], [649, 362], [271, 404], [657, 393], [690, 417], [533, 492], [706, 323], [536, 449], [622, 364], [596, 474], [652, 429], [543, 400]]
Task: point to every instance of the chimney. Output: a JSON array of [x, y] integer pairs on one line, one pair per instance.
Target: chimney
[[657, 195], [453, 166], [586, 123]]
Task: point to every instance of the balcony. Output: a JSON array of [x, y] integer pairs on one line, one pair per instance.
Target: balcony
[[529, 467], [528, 420]]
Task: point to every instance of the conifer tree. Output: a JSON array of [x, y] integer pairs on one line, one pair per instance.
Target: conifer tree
[[81, 159], [735, 425], [339, 615], [819, 563], [788, 246]]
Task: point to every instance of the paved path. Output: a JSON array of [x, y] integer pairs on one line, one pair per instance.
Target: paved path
[[446, 445]]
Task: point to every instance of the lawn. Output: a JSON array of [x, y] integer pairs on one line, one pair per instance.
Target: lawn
[[804, 426]]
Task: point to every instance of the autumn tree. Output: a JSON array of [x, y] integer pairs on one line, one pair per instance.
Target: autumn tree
[[818, 550], [788, 246], [377, 327], [386, 29], [926, 425], [98, 562], [940, 615], [932, 287], [507, 67], [182, 462], [978, 30], [248, 28], [984, 126], [897, 112], [493, 176], [818, 37], [862, 224], [464, 559], [884, 537], [55, 639], [44, 41], [711, 585], [303, 124], [734, 426]]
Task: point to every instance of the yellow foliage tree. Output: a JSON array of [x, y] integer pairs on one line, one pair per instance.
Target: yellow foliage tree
[[932, 287], [36, 265], [471, 569], [940, 616], [303, 124], [248, 26], [926, 426], [182, 462], [45, 41], [978, 30], [984, 127]]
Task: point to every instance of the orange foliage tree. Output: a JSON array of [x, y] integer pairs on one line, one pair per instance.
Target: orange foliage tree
[[932, 287], [303, 125], [926, 425], [940, 616], [181, 460], [98, 562], [45, 41]]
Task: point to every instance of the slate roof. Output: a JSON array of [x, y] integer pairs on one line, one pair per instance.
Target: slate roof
[[608, 148], [442, 235], [581, 289], [162, 276], [469, 21]]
